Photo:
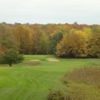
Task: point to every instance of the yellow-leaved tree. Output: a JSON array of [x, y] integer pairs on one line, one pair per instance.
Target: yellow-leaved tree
[[73, 44]]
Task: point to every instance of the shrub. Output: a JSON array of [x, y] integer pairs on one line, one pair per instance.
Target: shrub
[[56, 95]]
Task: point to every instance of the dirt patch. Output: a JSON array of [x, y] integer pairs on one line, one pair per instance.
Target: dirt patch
[[35, 60], [32, 62]]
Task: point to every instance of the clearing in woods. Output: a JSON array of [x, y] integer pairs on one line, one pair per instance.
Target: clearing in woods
[[33, 79]]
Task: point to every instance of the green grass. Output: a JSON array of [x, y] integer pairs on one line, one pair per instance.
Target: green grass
[[24, 82]]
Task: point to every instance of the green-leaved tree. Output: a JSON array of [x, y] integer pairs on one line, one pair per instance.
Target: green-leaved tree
[[10, 57]]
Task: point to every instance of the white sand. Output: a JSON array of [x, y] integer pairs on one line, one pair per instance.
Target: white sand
[[53, 59]]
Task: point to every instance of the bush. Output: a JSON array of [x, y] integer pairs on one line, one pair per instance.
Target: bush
[[56, 95]]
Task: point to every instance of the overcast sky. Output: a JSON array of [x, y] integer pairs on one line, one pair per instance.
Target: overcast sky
[[50, 11]]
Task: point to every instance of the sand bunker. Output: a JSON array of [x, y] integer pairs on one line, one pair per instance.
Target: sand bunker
[[53, 60]]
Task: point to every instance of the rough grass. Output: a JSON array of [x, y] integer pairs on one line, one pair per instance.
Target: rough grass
[[24, 82], [89, 75], [81, 84]]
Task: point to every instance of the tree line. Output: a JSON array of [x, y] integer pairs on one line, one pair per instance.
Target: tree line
[[63, 40]]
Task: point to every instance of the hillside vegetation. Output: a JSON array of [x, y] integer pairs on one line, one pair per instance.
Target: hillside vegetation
[[63, 40]]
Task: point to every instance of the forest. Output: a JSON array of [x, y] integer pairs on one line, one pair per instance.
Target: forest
[[64, 40]]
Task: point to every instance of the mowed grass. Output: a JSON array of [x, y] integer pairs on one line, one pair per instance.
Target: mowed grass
[[33, 82]]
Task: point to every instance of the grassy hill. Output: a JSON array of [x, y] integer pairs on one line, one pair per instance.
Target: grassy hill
[[33, 79]]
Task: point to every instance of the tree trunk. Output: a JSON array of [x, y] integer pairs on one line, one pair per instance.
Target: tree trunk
[[10, 64]]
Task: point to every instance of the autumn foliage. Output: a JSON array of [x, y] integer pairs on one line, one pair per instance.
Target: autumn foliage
[[63, 40]]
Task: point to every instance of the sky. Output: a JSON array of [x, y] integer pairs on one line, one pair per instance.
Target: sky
[[50, 11]]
